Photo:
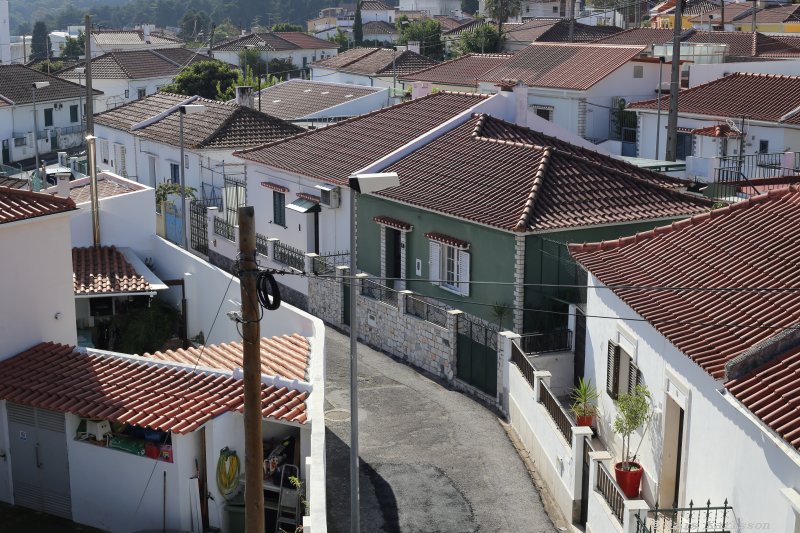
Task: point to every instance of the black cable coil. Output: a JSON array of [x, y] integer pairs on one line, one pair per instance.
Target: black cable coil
[[268, 293]]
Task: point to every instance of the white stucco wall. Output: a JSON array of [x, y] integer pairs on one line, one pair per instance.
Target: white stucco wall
[[433, 7], [704, 73], [726, 455], [358, 106], [36, 284]]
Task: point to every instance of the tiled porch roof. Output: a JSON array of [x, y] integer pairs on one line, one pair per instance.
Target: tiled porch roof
[[105, 270]]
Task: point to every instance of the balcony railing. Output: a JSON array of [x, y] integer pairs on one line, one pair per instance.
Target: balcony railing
[[557, 413], [326, 264], [290, 256], [738, 168], [523, 363], [610, 491], [379, 292], [700, 519], [262, 245], [419, 307], [557, 340], [223, 228]]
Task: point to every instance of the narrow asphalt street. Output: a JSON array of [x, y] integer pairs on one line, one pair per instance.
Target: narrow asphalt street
[[433, 459]]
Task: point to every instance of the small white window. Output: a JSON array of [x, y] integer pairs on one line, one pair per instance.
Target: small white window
[[449, 267], [185, 160], [638, 71]]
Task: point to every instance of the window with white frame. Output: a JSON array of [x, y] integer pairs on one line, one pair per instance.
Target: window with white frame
[[104, 152], [622, 373], [449, 267]]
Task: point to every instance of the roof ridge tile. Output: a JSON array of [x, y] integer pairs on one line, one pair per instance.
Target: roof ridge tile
[[530, 202]]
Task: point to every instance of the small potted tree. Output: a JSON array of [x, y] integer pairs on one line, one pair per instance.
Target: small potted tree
[[634, 410], [584, 402]]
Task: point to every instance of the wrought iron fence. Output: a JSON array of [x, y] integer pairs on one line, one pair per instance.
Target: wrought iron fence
[[557, 340], [419, 307], [198, 226], [326, 264], [223, 228], [290, 256], [610, 491], [557, 412], [700, 519], [376, 291], [737, 168], [262, 245], [522, 362]]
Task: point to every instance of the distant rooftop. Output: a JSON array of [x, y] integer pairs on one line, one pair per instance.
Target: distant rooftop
[[20, 204], [464, 71], [274, 41], [376, 62], [16, 82], [138, 64], [295, 99], [107, 186]]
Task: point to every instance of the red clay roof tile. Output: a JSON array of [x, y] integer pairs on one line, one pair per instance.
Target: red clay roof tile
[[19, 204], [105, 270]]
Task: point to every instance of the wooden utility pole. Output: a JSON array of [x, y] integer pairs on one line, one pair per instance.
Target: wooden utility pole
[[91, 153], [251, 347], [674, 86]]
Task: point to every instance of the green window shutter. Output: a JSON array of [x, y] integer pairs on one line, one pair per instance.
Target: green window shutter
[[612, 374]]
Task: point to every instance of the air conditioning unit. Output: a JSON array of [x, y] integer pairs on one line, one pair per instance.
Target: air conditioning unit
[[329, 196]]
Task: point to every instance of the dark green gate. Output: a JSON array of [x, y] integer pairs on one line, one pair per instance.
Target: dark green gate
[[476, 355]]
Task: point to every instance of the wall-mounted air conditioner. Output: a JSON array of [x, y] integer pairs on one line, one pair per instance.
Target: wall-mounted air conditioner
[[329, 196]]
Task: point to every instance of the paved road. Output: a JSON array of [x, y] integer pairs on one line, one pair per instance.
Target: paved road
[[433, 460]]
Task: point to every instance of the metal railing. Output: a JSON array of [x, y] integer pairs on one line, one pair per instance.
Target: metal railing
[[376, 291], [522, 362], [610, 491], [557, 340], [70, 130], [262, 245], [557, 412], [737, 168], [326, 264], [419, 307], [223, 228], [290, 256], [701, 519]]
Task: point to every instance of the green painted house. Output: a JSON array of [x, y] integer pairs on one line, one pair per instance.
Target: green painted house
[[482, 213]]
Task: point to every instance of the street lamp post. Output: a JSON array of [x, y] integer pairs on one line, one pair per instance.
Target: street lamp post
[[359, 184], [80, 71], [185, 109], [37, 85]]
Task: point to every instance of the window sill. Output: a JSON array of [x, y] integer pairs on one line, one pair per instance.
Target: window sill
[[450, 289]]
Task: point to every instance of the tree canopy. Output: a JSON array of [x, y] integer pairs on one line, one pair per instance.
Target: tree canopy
[[40, 41], [428, 32], [206, 78], [195, 25], [358, 25], [502, 10], [482, 40], [287, 26], [75, 47]]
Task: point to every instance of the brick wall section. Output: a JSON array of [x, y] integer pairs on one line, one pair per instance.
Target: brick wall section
[[519, 281]]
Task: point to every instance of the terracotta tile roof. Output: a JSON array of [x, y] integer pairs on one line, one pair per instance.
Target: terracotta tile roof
[[720, 130], [134, 391], [108, 39], [467, 26], [21, 204], [334, 152], [375, 5], [296, 99], [379, 27], [285, 356], [745, 44], [563, 66], [464, 71], [376, 62], [275, 41], [779, 14], [447, 239], [107, 187], [557, 31], [743, 245], [765, 97], [105, 270], [222, 125], [450, 23], [16, 82], [733, 11], [541, 184], [772, 393], [274, 186], [393, 223], [638, 37], [138, 64], [14, 183]]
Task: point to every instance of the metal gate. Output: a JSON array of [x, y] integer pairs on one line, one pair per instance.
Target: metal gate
[[586, 464], [198, 226], [580, 346], [235, 194], [476, 355], [173, 223], [39, 461]]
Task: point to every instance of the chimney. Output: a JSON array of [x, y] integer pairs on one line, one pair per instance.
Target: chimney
[[420, 89], [62, 185], [520, 91], [62, 159], [244, 96], [146, 32]]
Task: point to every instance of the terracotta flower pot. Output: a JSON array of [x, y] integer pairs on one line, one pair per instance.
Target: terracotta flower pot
[[584, 420], [629, 480]]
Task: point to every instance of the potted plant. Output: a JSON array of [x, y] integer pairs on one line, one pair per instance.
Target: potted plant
[[634, 410], [584, 406]]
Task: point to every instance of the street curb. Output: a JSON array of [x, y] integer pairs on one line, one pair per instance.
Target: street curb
[[549, 503]]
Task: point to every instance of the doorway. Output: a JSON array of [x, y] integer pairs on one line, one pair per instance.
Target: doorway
[[672, 456], [39, 467], [393, 258]]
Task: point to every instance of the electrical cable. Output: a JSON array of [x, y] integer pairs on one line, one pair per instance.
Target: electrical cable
[[269, 294]]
